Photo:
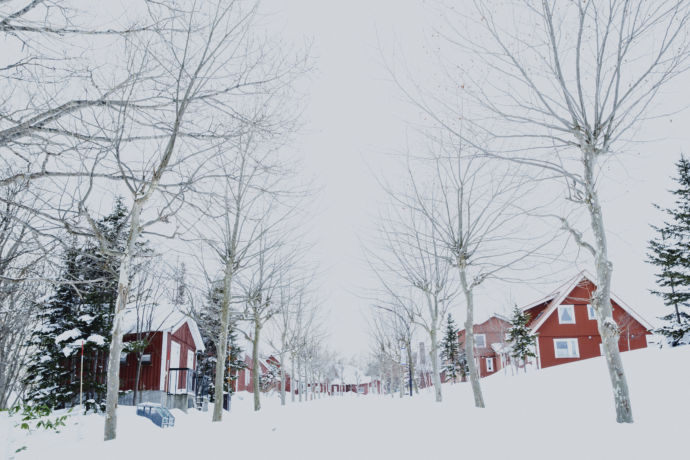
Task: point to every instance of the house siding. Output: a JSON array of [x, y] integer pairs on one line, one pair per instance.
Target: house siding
[[585, 330], [494, 329], [150, 373]]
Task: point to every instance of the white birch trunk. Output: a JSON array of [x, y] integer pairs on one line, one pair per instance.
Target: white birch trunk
[[436, 378], [293, 381], [282, 378], [113, 382], [221, 347], [256, 367], [601, 299], [469, 339]]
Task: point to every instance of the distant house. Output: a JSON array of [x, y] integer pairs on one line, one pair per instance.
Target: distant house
[[490, 341], [565, 326], [168, 361], [270, 370]]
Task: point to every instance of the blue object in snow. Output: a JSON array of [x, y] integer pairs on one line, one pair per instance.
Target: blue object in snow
[[158, 414]]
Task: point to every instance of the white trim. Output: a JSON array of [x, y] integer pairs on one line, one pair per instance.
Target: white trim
[[572, 313], [475, 340], [489, 361], [563, 294], [574, 350], [164, 356]]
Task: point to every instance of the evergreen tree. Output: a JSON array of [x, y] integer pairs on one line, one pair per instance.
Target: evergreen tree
[[670, 252], [207, 318], [521, 337], [450, 350], [49, 378], [79, 315]]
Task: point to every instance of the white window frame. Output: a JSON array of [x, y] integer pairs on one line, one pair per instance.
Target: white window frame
[[572, 311], [590, 312], [573, 348], [246, 377], [483, 336], [489, 364]]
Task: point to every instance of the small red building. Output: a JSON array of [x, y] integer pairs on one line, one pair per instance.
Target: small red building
[[169, 359], [269, 368], [565, 326], [490, 341]]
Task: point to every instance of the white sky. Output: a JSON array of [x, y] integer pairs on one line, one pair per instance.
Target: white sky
[[355, 117]]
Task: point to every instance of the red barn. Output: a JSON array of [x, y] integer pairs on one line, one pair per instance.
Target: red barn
[[565, 326], [169, 359]]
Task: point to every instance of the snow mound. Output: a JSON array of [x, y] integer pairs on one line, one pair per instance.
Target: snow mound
[[563, 412]]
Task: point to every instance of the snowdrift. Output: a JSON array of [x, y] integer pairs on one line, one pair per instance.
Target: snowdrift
[[563, 412]]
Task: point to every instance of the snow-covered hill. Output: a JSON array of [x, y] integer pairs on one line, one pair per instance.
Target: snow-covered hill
[[558, 413]]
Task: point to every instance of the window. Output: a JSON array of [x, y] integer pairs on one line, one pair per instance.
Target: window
[[590, 312], [566, 314], [489, 364], [123, 357], [566, 348], [146, 359], [246, 378], [480, 340]]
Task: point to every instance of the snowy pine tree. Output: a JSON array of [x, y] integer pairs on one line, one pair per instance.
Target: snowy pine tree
[[450, 350], [521, 338], [670, 252], [49, 377], [207, 318], [76, 315]]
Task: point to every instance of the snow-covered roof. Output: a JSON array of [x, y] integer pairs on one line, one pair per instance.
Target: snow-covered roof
[[163, 317], [556, 297]]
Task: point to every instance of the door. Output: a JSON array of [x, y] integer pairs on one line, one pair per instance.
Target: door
[[174, 376]]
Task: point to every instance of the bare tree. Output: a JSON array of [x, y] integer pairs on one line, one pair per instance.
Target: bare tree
[[22, 281], [563, 96], [260, 287], [147, 289]]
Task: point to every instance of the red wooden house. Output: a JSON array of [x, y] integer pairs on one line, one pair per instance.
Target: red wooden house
[[490, 341], [169, 359], [270, 369], [565, 326]]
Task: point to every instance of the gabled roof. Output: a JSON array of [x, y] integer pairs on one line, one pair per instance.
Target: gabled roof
[[557, 297], [163, 318]]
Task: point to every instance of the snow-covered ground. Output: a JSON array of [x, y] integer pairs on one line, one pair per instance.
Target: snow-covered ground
[[559, 413]]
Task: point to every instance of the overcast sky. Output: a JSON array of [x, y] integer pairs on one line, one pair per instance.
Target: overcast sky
[[355, 117]]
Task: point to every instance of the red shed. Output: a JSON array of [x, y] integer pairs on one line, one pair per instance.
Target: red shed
[[169, 359]]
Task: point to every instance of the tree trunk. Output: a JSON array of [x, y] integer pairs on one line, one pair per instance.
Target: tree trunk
[[601, 299], [282, 378], [256, 368], [136, 379], [293, 381], [299, 374], [469, 339], [113, 382], [222, 347], [436, 378]]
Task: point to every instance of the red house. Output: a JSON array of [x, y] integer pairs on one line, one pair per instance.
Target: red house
[[168, 361], [490, 341], [565, 326], [270, 369]]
